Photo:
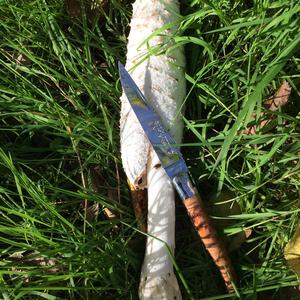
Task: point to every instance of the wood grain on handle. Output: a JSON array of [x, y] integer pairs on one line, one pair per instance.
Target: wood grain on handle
[[203, 224]]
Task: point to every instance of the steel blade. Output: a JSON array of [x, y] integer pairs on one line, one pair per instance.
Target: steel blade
[[163, 143], [175, 167]]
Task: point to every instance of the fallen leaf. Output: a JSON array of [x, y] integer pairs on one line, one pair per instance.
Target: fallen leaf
[[97, 180], [34, 258], [93, 8], [292, 252], [236, 241], [73, 8], [23, 60], [272, 104], [222, 207], [280, 98]]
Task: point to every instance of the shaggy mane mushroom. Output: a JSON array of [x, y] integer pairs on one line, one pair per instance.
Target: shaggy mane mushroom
[[161, 78]]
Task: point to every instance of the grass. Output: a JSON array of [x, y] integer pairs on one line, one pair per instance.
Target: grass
[[59, 107]]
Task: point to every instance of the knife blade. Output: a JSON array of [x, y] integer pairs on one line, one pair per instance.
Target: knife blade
[[174, 164]]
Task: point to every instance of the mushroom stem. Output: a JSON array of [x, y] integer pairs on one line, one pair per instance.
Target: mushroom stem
[[160, 77], [157, 276]]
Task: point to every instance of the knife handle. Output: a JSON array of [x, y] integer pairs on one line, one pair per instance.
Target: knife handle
[[208, 234]]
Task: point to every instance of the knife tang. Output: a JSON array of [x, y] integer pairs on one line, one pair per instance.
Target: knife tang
[[183, 186]]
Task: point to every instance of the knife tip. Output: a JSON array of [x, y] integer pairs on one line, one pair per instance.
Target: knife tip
[[120, 66]]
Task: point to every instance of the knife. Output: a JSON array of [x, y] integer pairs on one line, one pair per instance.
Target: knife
[[174, 165]]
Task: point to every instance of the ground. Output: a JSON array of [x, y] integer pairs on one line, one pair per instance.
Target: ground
[[59, 107]]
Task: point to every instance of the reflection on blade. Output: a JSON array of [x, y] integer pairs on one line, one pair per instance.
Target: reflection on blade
[[161, 140]]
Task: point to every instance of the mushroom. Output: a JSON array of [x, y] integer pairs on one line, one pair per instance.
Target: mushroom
[[160, 77]]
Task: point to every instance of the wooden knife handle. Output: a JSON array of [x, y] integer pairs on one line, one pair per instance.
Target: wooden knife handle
[[207, 232]]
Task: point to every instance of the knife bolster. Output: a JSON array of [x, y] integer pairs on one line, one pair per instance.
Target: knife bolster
[[183, 186]]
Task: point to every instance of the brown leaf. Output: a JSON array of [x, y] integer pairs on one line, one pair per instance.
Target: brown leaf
[[92, 211], [238, 239], [73, 8], [23, 60], [93, 8], [34, 258], [279, 99], [292, 252], [222, 207], [98, 179]]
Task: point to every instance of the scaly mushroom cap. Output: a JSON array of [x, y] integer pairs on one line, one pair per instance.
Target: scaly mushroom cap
[[160, 78]]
